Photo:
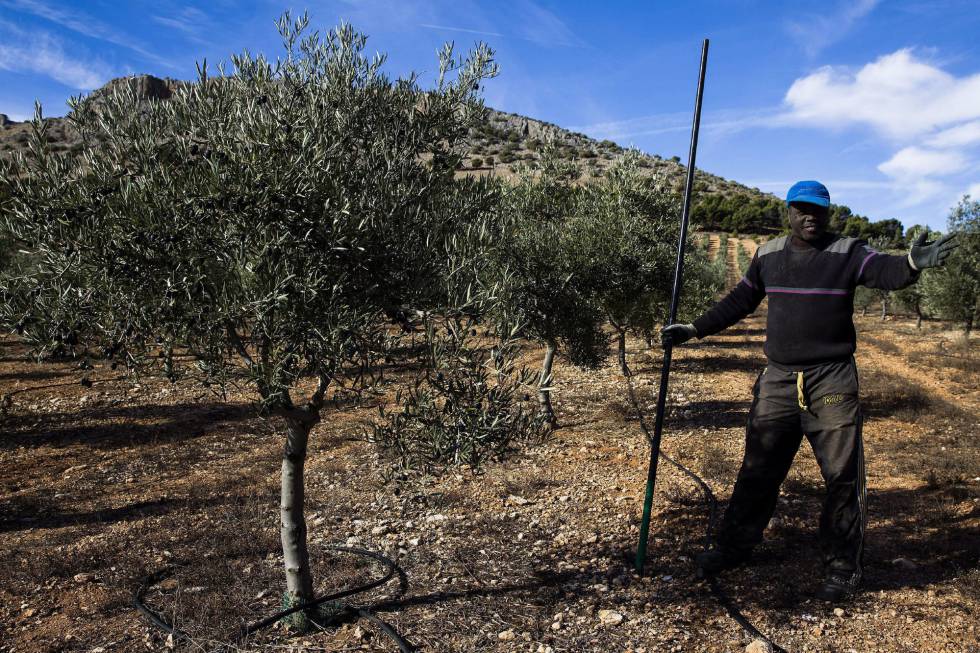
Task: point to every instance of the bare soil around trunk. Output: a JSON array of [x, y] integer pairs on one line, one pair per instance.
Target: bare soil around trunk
[[102, 485]]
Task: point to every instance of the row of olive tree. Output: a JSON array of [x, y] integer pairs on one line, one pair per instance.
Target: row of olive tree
[[951, 292], [266, 228], [578, 255]]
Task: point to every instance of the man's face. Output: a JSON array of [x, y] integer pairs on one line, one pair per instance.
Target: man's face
[[808, 221]]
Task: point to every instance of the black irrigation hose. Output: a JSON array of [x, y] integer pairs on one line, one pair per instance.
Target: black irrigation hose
[[155, 618], [716, 589], [364, 612], [85, 381]]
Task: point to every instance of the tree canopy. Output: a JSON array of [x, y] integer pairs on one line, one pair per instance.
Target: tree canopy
[[259, 228]]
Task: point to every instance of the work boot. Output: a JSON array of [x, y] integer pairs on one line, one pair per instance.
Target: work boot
[[718, 559], [838, 585]]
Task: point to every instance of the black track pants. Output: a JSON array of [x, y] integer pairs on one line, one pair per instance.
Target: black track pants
[[820, 401]]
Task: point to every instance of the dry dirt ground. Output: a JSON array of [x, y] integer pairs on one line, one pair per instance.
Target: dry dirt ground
[[101, 485]]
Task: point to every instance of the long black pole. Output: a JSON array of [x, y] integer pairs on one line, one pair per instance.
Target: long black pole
[[641, 550]]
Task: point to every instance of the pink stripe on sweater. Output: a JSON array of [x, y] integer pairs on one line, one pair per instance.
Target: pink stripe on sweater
[[865, 262]]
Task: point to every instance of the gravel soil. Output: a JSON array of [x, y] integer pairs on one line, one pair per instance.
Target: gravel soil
[[103, 484]]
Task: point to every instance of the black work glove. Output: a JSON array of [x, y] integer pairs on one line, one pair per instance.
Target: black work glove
[[676, 334], [923, 256]]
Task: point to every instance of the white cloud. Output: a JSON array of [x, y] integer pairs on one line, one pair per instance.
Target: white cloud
[[535, 23], [525, 20], [521, 19], [44, 54], [190, 21], [83, 24], [974, 191], [912, 162], [459, 29], [815, 31], [898, 95], [718, 122], [959, 136]]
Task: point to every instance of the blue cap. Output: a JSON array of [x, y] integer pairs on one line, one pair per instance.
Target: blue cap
[[809, 191]]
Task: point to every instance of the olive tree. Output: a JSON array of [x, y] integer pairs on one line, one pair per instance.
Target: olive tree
[[864, 297], [261, 227], [623, 243], [913, 297], [543, 289], [953, 291]]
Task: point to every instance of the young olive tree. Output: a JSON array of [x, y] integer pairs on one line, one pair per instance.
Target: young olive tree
[[543, 290], [267, 224], [953, 291], [463, 408], [913, 298], [864, 297], [623, 243]]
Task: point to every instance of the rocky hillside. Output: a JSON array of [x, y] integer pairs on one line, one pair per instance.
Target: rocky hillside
[[509, 138], [505, 140]]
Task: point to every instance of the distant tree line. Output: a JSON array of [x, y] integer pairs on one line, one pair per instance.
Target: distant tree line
[[740, 213], [886, 233], [757, 214]]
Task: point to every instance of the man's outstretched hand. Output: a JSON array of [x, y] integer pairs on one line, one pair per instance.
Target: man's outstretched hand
[[933, 254], [675, 334]]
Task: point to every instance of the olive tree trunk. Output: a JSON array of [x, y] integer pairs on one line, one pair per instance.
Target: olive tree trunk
[[622, 352], [884, 308], [296, 555], [918, 319], [544, 384]]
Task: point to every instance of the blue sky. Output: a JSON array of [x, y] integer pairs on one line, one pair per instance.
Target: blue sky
[[880, 100]]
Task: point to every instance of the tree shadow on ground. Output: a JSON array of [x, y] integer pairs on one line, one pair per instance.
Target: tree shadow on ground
[[21, 513], [712, 414], [34, 375], [709, 343], [889, 395], [788, 564], [712, 364], [41, 510], [571, 424], [115, 427]]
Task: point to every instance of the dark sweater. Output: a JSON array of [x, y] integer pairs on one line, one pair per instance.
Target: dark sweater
[[811, 295]]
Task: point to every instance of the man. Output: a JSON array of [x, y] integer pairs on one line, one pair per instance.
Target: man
[[809, 385]]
